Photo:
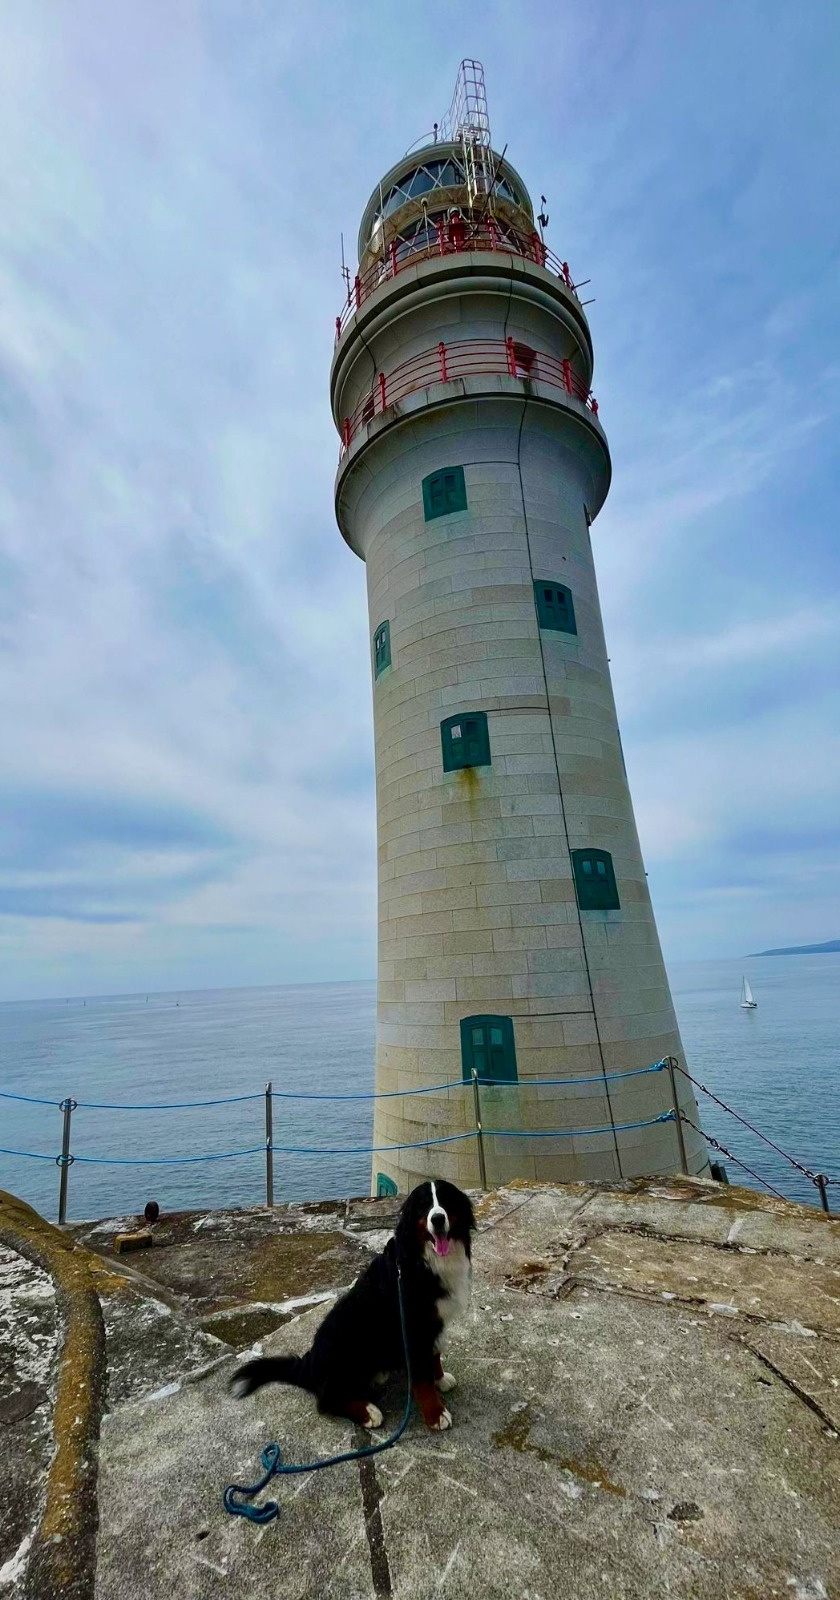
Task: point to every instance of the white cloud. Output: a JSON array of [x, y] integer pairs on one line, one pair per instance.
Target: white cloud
[[181, 626]]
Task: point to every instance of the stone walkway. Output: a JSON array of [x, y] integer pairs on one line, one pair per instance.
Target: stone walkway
[[648, 1406]]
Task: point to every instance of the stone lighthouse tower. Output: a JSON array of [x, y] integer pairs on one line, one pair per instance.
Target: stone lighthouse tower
[[516, 935]]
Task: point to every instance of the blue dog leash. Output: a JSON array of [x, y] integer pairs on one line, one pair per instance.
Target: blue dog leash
[[272, 1456]]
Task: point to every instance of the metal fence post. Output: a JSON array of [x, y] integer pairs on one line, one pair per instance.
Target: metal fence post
[[821, 1183], [479, 1130], [677, 1114], [65, 1160], [269, 1150]]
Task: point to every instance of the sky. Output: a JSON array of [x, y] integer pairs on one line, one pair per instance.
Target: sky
[[186, 784]]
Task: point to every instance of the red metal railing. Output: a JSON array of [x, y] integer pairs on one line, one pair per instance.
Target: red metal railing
[[464, 358], [449, 238]]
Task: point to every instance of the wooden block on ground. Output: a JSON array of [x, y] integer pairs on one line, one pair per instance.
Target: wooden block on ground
[[133, 1241]]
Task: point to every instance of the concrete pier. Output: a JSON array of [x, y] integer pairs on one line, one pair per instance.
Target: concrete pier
[[647, 1406]]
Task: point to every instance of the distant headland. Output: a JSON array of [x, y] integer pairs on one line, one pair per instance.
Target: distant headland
[[831, 947]]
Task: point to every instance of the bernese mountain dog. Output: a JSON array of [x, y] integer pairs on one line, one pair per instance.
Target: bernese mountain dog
[[360, 1343]]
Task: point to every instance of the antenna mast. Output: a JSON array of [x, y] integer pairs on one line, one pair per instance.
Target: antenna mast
[[467, 122]]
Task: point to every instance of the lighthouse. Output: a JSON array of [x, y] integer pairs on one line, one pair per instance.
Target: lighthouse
[[518, 957]]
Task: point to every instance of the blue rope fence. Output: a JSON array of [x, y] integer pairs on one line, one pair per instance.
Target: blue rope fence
[[335, 1150], [596, 1083], [269, 1148], [291, 1094]]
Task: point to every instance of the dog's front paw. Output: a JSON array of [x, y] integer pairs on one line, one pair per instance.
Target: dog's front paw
[[446, 1382], [443, 1421], [373, 1418]]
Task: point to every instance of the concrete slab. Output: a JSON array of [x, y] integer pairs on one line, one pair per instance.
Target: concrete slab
[[702, 1209], [164, 1465], [647, 1406], [149, 1345], [605, 1447], [209, 1261], [600, 1445], [809, 1366], [605, 1441], [726, 1282]]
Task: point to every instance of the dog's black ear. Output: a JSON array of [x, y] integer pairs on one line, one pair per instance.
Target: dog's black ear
[[469, 1214], [405, 1230], [415, 1206]]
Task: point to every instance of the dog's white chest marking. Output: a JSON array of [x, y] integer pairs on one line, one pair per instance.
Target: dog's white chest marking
[[453, 1273]]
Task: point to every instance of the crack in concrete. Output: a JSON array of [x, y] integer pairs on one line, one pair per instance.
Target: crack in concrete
[[494, 1222], [658, 1297], [790, 1383], [642, 1230], [372, 1496], [655, 1297], [566, 1223]]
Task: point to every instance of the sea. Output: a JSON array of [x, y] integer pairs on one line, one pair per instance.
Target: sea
[[778, 1067]]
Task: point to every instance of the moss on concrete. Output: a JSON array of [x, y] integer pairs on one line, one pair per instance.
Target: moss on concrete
[[63, 1554], [240, 1328], [239, 1264], [516, 1435]]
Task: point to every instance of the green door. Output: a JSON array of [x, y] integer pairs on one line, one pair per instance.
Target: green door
[[487, 1048], [465, 741], [555, 606], [595, 882]]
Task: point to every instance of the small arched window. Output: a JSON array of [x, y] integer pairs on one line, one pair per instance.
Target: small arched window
[[555, 606], [487, 1048], [444, 492], [381, 648], [465, 741], [595, 880]]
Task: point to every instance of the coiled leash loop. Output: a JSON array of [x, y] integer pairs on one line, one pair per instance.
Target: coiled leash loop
[[272, 1456]]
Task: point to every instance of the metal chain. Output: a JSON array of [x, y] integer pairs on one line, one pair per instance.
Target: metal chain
[[716, 1145], [806, 1171]]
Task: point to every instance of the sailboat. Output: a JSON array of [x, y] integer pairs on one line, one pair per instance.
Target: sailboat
[[747, 1001]]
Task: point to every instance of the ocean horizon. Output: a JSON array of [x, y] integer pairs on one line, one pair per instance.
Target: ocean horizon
[[778, 1066]]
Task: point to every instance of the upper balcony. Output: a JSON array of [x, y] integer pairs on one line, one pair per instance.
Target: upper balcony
[[494, 372], [455, 364], [456, 235]]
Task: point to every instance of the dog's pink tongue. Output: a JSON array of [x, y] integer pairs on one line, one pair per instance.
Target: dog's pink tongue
[[441, 1247]]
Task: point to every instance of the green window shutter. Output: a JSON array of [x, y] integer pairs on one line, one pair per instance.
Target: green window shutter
[[384, 1185], [595, 881], [477, 1050], [444, 492], [555, 606], [487, 1047], [465, 741], [381, 648]]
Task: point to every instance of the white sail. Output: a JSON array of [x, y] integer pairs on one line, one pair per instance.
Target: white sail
[[747, 996]]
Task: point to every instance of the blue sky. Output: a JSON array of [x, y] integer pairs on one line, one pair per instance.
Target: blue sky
[[186, 791]]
